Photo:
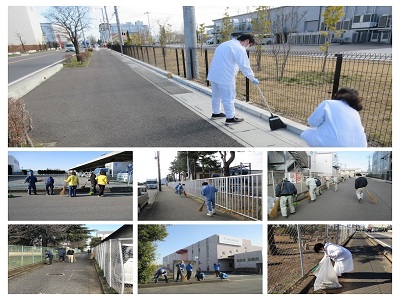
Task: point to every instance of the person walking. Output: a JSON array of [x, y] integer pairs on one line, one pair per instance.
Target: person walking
[[48, 254], [360, 184], [208, 191], [73, 182], [217, 269], [180, 268], [93, 183], [312, 186], [285, 191], [335, 183], [189, 270], [31, 181], [318, 190], [229, 57], [49, 182], [102, 181], [327, 182], [337, 122], [340, 255], [70, 256], [161, 272]]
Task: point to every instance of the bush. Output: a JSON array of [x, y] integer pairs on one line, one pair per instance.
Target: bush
[[19, 124]]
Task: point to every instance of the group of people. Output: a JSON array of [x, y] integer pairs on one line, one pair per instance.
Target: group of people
[[179, 189], [334, 123], [180, 270], [61, 256], [99, 181]]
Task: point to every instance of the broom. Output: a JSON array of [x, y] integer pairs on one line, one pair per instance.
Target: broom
[[274, 121], [274, 211], [202, 206], [62, 192]]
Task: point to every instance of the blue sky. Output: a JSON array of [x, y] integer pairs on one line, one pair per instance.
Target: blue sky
[[181, 236], [147, 165], [355, 159], [63, 160]]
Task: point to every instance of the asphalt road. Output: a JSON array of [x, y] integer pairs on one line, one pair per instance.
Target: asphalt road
[[107, 104], [43, 207], [344, 206], [235, 284], [20, 66], [59, 278]]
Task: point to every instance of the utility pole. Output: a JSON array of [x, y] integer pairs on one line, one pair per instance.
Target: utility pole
[[148, 21], [119, 29], [159, 171], [188, 167], [110, 39], [189, 23]]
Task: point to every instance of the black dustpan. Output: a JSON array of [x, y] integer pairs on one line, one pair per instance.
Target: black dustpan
[[274, 121]]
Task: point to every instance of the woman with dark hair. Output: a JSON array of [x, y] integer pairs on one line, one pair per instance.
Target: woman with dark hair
[[340, 255], [337, 123]]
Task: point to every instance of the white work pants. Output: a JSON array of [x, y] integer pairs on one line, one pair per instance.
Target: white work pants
[[225, 94], [286, 200]]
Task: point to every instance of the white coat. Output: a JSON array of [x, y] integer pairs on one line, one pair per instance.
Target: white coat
[[341, 256], [228, 58], [335, 124]]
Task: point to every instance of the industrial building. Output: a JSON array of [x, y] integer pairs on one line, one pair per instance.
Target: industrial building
[[233, 253], [303, 24]]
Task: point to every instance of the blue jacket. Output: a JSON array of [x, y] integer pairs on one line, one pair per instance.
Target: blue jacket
[[49, 180], [189, 267], [31, 180], [209, 191], [223, 275], [288, 189], [217, 267]]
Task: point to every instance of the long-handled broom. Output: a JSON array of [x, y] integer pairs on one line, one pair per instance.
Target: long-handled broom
[[274, 121]]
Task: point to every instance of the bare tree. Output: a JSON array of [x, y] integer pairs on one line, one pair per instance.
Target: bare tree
[[286, 20], [73, 19], [227, 27], [227, 161], [21, 41], [261, 25]]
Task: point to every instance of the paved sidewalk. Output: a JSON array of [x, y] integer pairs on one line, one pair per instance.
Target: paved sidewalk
[[58, 278], [372, 270], [168, 206], [253, 132]]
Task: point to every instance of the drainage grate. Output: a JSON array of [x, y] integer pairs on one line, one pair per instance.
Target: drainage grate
[[55, 274]]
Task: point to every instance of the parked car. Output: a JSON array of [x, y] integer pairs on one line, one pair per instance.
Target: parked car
[[69, 48], [143, 197]]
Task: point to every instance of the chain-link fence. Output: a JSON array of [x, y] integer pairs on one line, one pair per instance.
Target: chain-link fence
[[291, 252], [240, 194], [115, 258], [20, 257], [296, 82]]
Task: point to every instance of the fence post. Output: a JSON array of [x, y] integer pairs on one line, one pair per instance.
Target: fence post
[[141, 51], [147, 53], [184, 64], [336, 78], [206, 63], [154, 53], [165, 63], [248, 82], [191, 63], [300, 249], [177, 61]]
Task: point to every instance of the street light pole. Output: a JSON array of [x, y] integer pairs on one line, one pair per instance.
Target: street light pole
[[148, 21]]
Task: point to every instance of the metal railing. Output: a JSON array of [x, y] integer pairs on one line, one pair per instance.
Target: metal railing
[[115, 258], [291, 252], [240, 194], [296, 85]]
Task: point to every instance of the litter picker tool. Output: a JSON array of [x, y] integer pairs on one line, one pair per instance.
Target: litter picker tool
[[274, 121]]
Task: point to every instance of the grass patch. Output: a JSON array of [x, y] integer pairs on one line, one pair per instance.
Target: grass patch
[[106, 288], [77, 61]]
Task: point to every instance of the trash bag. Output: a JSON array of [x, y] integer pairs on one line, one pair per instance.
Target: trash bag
[[326, 276]]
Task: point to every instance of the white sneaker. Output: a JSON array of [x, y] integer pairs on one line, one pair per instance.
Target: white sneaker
[[209, 213]]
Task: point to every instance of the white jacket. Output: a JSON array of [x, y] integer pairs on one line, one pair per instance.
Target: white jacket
[[310, 182], [336, 252], [228, 59], [335, 124]]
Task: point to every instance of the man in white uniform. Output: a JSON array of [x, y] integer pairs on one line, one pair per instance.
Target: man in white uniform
[[312, 185], [228, 59], [341, 256]]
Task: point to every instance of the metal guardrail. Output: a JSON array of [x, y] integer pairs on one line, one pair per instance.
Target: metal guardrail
[[240, 194]]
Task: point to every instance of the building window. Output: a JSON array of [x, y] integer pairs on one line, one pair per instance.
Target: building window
[[222, 252], [356, 19]]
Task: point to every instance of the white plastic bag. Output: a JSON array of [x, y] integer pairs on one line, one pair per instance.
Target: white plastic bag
[[326, 276]]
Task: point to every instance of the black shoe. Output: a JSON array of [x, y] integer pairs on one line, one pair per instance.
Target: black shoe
[[234, 120], [220, 115]]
